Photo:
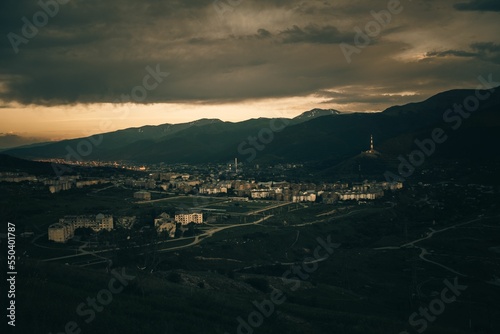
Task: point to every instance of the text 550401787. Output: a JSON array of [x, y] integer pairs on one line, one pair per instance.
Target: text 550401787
[[11, 273]]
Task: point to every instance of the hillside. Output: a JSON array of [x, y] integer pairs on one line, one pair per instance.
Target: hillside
[[317, 135]]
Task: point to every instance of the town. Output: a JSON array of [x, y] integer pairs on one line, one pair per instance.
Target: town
[[161, 185]]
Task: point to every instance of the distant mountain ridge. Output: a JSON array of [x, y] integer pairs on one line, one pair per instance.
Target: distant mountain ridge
[[9, 140], [316, 112], [316, 135]]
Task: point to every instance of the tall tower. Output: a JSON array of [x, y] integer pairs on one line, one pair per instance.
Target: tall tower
[[236, 165], [371, 152]]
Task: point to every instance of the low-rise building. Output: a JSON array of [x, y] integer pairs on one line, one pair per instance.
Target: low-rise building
[[165, 223], [96, 223], [260, 193], [368, 190], [61, 232], [306, 196], [143, 195], [17, 177], [186, 218], [65, 229], [164, 217], [60, 186], [356, 196], [86, 183]]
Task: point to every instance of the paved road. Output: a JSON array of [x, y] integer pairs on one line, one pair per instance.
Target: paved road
[[210, 233], [268, 208], [196, 240], [424, 251], [331, 218]]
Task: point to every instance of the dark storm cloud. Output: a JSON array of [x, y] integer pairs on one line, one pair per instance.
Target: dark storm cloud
[[315, 34], [486, 47], [456, 53], [94, 51], [263, 33], [479, 5], [486, 51]]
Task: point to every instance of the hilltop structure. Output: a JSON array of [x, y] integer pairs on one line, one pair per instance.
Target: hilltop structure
[[371, 152]]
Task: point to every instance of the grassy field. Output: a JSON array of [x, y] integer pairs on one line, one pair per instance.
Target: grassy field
[[186, 201], [237, 207], [356, 290], [206, 288], [210, 205]]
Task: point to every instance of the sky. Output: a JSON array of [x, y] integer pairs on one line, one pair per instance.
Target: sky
[[67, 65]]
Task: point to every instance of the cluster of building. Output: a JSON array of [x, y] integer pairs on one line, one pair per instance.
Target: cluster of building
[[293, 192], [327, 193], [305, 196], [141, 183], [180, 182], [215, 188], [165, 223], [17, 177], [64, 230], [289, 192], [54, 185], [368, 190], [68, 182], [96, 163]]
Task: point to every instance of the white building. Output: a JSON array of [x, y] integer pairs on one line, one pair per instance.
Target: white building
[[213, 189], [260, 193], [210, 190], [186, 218], [307, 196], [356, 196], [61, 232]]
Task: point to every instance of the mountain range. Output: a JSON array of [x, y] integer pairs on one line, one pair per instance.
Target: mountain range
[[9, 140], [315, 136]]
